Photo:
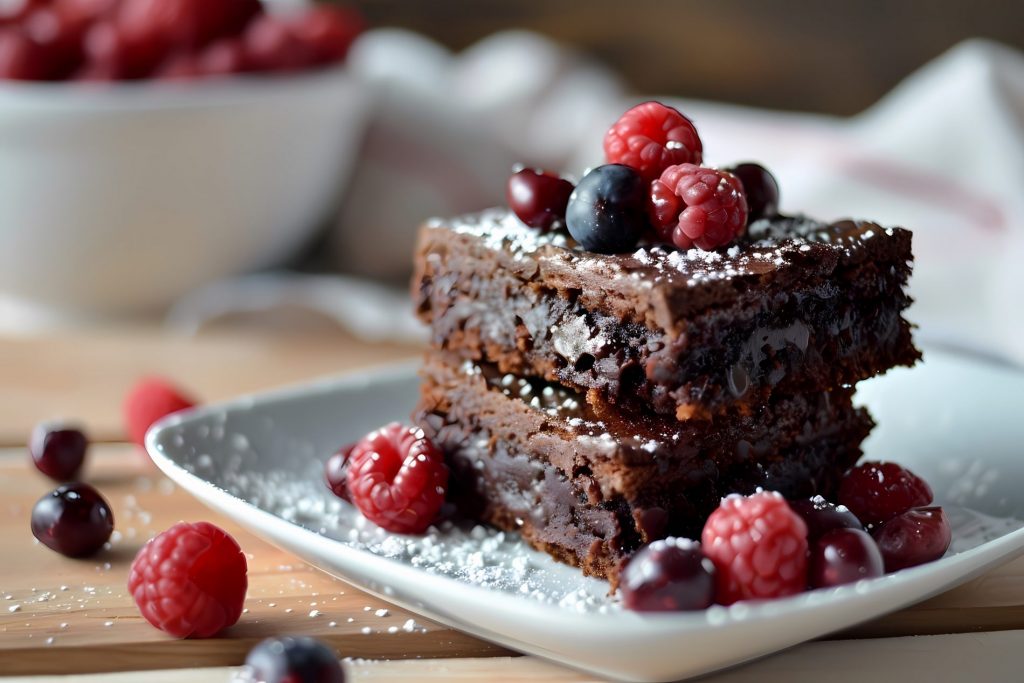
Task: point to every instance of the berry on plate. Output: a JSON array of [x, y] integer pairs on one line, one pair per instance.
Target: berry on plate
[[697, 206], [667, 576], [293, 660], [878, 491], [844, 556], [190, 580], [397, 478], [759, 547], [538, 198], [650, 137], [149, 400], [821, 516], [73, 520], [606, 210], [913, 537], [58, 450]]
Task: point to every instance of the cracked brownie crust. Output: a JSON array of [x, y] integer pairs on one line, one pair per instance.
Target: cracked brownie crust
[[797, 306]]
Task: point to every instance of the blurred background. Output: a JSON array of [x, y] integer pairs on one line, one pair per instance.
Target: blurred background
[[264, 165], [828, 57]]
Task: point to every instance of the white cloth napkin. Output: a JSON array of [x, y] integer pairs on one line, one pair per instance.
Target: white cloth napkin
[[942, 154]]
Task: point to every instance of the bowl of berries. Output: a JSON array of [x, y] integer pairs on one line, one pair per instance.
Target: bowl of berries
[[149, 146]]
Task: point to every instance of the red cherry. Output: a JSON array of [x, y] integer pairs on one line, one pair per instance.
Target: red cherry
[[667, 576], [328, 31], [844, 556], [538, 198], [822, 516], [914, 537], [60, 35], [878, 491], [223, 58], [271, 45], [13, 11], [20, 58]]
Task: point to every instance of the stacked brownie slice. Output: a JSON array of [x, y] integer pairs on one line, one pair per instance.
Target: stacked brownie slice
[[595, 403]]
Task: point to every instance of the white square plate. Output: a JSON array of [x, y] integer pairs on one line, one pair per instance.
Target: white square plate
[[258, 460]]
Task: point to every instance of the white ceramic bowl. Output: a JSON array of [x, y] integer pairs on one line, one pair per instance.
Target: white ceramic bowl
[[123, 198]]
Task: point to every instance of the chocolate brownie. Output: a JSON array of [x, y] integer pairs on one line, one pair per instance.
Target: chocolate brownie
[[794, 306], [589, 485]]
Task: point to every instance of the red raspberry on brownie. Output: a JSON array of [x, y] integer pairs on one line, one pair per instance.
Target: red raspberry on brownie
[[696, 206], [397, 478], [759, 547], [190, 581], [650, 137]]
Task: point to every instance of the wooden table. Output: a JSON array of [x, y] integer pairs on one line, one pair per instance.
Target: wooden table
[[59, 616]]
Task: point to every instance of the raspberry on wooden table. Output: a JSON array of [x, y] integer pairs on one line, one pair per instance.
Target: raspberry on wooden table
[[190, 581], [696, 206], [759, 547], [397, 478], [149, 400], [878, 491], [650, 137]]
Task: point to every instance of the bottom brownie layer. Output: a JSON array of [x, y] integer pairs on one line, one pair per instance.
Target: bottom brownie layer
[[590, 489]]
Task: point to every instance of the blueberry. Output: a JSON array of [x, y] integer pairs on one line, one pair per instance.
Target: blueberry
[[761, 188], [607, 210], [294, 660], [73, 520]]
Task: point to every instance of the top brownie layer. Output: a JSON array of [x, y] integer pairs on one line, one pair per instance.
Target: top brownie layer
[[796, 305]]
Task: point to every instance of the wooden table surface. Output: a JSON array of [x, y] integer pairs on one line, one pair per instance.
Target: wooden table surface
[[59, 616]]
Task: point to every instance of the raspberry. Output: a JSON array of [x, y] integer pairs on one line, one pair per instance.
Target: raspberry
[[190, 581], [696, 206], [397, 478], [148, 401], [650, 137], [759, 547], [878, 491]]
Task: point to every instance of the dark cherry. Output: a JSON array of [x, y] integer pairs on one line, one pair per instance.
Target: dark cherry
[[57, 450], [336, 472], [842, 556], [669, 576], [607, 211], [822, 516], [73, 520], [761, 188], [914, 537], [878, 491], [538, 198], [294, 660]]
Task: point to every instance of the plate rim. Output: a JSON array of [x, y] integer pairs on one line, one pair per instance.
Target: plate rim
[[943, 574]]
